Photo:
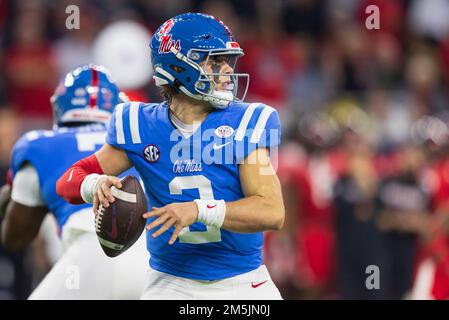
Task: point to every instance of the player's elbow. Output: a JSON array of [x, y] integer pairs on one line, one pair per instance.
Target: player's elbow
[[277, 217]]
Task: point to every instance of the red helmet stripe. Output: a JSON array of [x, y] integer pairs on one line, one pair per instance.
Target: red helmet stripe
[[94, 94], [231, 37]]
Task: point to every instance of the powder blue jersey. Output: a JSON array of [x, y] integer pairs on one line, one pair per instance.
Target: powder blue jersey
[[52, 152], [175, 168]]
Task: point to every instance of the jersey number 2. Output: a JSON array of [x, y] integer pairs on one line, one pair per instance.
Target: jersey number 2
[[204, 186]]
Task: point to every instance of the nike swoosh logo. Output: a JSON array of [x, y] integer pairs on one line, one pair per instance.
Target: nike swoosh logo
[[71, 174], [210, 207], [255, 285], [219, 146], [113, 233]]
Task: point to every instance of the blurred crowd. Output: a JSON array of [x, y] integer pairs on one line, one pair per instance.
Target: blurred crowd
[[364, 162]]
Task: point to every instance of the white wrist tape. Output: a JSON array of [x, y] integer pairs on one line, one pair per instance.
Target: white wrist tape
[[211, 212], [89, 186]]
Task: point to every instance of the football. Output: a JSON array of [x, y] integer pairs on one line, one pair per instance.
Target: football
[[120, 225]]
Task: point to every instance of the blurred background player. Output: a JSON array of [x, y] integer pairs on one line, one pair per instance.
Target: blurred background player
[[213, 204], [18, 277], [431, 274], [82, 104], [380, 198], [308, 168]]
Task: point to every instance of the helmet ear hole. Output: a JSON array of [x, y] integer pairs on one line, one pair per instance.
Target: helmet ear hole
[[177, 69]]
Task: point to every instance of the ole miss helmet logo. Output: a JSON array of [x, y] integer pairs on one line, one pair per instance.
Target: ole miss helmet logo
[[165, 37], [165, 28], [151, 153], [167, 43]]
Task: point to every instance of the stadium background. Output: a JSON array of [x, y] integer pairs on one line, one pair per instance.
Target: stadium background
[[365, 127]]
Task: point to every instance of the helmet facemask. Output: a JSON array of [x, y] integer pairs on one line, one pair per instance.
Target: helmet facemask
[[207, 85]]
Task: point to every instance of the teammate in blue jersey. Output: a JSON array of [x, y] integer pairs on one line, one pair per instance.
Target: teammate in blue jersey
[[83, 103], [204, 157]]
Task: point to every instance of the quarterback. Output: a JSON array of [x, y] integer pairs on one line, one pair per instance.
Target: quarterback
[[83, 103], [204, 157]]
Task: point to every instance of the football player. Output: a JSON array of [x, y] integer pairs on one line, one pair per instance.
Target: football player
[[83, 103], [204, 157]]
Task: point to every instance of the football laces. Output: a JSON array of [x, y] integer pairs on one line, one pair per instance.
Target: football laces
[[99, 218]]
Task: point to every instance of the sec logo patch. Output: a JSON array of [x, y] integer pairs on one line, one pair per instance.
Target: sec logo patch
[[151, 153]]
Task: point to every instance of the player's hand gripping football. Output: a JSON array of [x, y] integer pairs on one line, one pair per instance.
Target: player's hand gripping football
[[179, 215], [103, 193]]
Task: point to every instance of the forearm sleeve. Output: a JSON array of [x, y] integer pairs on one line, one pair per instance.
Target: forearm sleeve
[[69, 184]]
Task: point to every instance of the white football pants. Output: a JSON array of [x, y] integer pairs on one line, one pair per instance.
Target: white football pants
[[253, 285], [84, 272]]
